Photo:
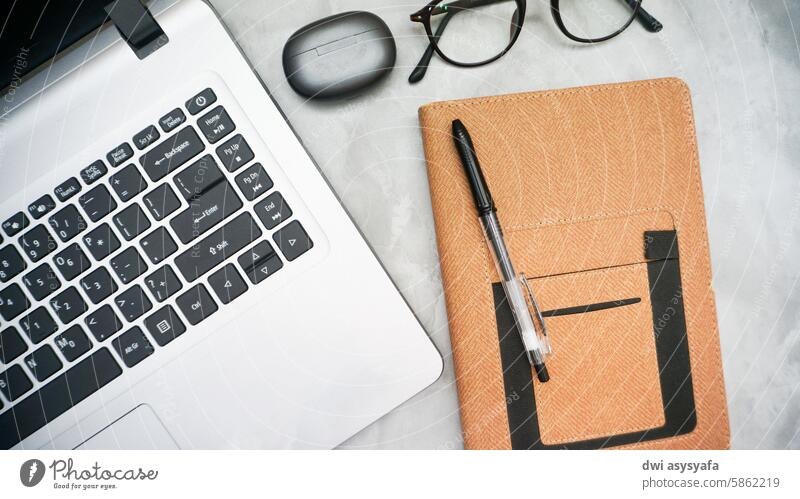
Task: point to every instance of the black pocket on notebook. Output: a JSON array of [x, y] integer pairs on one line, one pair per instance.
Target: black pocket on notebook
[[671, 349]]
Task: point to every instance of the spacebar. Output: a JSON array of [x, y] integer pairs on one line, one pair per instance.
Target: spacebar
[[57, 397], [217, 247]]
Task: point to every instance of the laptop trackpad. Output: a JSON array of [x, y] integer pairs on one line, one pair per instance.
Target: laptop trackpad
[[139, 429]]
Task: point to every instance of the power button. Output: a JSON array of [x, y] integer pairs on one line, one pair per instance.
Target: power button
[[201, 101]]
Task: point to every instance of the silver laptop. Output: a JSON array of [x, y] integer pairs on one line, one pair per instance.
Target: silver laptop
[[174, 270]]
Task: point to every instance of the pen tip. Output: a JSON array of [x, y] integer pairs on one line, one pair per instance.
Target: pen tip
[[457, 124], [541, 372]]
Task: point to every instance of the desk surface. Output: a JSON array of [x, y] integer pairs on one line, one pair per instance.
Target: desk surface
[[742, 63]]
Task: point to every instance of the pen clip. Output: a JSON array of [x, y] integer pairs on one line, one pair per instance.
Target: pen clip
[[536, 315]]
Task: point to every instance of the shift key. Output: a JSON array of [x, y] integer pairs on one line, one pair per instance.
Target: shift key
[[205, 211], [172, 153], [217, 247]]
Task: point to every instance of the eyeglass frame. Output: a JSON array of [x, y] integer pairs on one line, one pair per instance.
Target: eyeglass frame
[[425, 14]]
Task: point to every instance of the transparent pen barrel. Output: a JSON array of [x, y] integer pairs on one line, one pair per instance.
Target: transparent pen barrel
[[520, 300]]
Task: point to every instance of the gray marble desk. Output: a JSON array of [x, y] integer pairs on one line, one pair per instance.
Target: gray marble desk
[[742, 63]]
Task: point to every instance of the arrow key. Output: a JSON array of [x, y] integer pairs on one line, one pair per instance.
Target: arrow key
[[227, 283], [293, 240], [260, 262]]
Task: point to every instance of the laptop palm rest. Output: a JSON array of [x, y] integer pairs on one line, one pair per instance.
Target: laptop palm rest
[[140, 429]]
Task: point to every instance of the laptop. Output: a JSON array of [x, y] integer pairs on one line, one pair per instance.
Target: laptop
[[175, 272]]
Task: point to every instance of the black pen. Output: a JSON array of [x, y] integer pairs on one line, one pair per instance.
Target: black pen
[[526, 312]]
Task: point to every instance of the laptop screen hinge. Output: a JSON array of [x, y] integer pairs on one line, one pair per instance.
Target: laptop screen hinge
[[137, 26]]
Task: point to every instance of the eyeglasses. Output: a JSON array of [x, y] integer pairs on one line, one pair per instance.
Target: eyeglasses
[[482, 31]]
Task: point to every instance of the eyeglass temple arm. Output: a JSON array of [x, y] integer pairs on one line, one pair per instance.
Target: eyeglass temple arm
[[422, 66], [445, 7], [649, 22]]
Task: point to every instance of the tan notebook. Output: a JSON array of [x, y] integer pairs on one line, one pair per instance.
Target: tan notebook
[[598, 190]]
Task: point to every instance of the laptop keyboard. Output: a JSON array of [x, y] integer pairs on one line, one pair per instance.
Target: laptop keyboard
[[129, 254]]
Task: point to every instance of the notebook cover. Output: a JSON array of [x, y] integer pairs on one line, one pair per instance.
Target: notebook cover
[[599, 194]]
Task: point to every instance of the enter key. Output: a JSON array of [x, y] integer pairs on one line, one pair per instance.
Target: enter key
[[206, 211]]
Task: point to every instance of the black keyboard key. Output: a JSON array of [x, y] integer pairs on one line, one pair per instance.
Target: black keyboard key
[[206, 211], [69, 305], [254, 182], [67, 189], [41, 206], [14, 383], [101, 242], [72, 262], [43, 363], [128, 265], [133, 303], [217, 247], [172, 120], [201, 101], [119, 154], [158, 245], [216, 124], [161, 201], [98, 285], [57, 396], [37, 243], [103, 323], [196, 304], [131, 222], [146, 137], [163, 283], [227, 284], [13, 302], [132, 346], [164, 325], [38, 325], [198, 177], [91, 173], [172, 153], [273, 210], [128, 182], [293, 240], [73, 343], [13, 225], [67, 223], [11, 263], [260, 262], [41, 281], [11, 345], [97, 203], [234, 153]]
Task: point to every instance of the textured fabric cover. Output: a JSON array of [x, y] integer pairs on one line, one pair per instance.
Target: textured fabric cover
[[578, 176]]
